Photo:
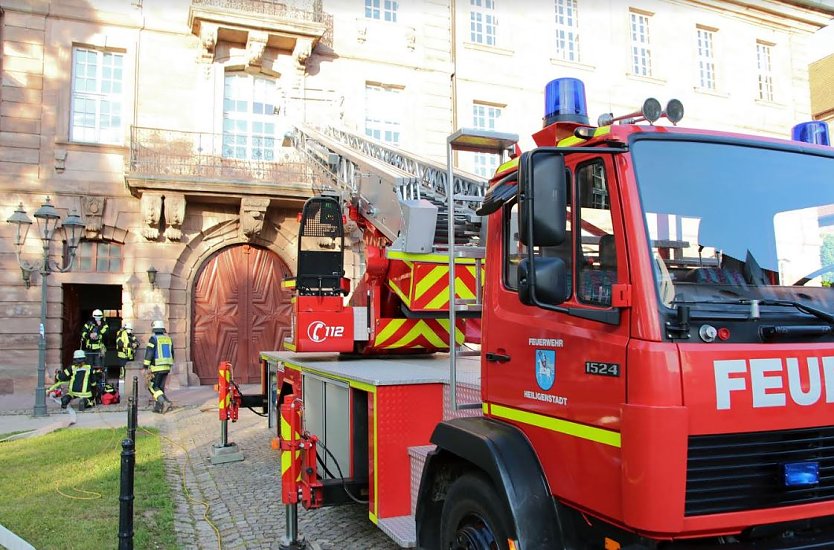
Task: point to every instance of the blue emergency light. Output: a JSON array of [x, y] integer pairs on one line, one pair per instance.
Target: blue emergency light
[[812, 132], [801, 474], [564, 101]]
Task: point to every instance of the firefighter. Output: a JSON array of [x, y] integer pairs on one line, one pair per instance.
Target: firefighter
[[62, 376], [126, 346], [80, 383], [92, 338], [159, 358]]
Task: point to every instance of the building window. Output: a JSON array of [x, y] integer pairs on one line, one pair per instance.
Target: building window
[[567, 31], [485, 117], [382, 113], [97, 89], [384, 10], [706, 59], [482, 22], [641, 53], [764, 69], [249, 118], [99, 256]]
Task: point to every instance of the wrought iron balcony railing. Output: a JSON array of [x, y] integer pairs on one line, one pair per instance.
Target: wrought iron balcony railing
[[190, 156]]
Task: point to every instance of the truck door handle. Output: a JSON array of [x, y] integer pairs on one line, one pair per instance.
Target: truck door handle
[[497, 357]]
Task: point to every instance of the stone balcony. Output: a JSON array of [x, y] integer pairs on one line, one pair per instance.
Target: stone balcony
[[296, 26], [198, 164]]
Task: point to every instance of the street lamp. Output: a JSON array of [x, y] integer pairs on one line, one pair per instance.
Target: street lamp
[[47, 218]]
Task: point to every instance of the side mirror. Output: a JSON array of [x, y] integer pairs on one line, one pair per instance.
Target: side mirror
[[542, 188], [550, 281]]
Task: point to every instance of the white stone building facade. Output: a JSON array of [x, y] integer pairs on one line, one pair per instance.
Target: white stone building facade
[[162, 122]]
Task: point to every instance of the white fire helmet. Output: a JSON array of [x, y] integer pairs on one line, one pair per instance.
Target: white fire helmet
[[79, 354], [158, 325], [128, 326], [97, 314]]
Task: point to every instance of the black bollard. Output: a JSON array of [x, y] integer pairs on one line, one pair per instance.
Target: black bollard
[[128, 466], [126, 496]]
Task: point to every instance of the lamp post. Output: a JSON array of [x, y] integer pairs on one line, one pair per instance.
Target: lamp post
[[47, 218]]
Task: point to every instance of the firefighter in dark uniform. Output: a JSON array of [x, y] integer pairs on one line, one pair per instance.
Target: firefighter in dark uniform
[[126, 345], [81, 383], [159, 358], [92, 338]]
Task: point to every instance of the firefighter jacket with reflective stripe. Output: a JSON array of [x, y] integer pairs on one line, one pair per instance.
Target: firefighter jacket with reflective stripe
[[159, 355], [126, 344], [92, 336], [79, 385]]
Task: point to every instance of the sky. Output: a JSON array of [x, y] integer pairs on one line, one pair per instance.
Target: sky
[[822, 43]]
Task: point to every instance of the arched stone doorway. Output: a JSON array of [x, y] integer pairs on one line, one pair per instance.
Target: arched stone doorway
[[239, 309]]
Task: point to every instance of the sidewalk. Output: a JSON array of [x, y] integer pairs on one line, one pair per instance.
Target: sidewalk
[[242, 500]]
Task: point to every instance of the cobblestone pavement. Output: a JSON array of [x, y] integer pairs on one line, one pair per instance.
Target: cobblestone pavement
[[244, 498]]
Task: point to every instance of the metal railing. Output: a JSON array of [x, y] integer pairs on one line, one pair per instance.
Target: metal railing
[[193, 156]]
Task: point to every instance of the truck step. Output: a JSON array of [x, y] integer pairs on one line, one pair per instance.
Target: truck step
[[401, 529], [417, 457]]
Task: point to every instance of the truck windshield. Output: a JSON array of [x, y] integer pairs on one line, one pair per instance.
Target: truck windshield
[[730, 221]]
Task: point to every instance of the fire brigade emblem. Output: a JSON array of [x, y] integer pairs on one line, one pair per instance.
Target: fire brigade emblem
[[545, 368]]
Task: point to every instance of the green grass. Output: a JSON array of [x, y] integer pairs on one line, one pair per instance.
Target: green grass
[[61, 490]]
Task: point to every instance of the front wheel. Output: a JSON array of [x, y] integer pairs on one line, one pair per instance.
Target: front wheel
[[474, 516]]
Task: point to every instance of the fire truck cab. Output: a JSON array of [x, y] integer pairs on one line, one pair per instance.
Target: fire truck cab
[[657, 357]]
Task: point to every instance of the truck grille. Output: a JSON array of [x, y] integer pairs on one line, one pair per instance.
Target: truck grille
[[733, 472]]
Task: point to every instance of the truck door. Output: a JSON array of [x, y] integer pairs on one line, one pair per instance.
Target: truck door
[[560, 377]]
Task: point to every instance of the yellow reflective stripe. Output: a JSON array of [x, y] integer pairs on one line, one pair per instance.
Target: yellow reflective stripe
[[286, 459], [512, 163], [372, 517], [431, 278], [591, 433], [288, 283], [420, 329], [485, 407], [573, 140], [289, 346], [398, 291], [392, 327], [425, 258], [459, 336]]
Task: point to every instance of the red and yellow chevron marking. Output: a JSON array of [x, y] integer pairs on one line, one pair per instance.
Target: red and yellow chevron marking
[[431, 286], [415, 334]]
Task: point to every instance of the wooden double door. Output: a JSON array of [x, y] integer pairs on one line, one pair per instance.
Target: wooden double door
[[239, 310]]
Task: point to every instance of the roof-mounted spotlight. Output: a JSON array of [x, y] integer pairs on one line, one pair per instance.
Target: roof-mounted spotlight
[[674, 111]]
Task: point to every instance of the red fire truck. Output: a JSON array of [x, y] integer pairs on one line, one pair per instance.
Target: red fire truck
[[643, 348]]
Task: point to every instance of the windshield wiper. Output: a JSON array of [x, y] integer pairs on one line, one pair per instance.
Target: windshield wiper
[[818, 313]]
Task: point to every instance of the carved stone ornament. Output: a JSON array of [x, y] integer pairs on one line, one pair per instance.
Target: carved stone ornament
[[410, 39], [174, 216], [60, 160], [93, 209], [255, 47], [301, 52], [208, 40], [151, 212], [252, 215]]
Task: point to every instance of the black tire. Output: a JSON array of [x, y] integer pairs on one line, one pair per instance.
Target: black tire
[[474, 516]]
